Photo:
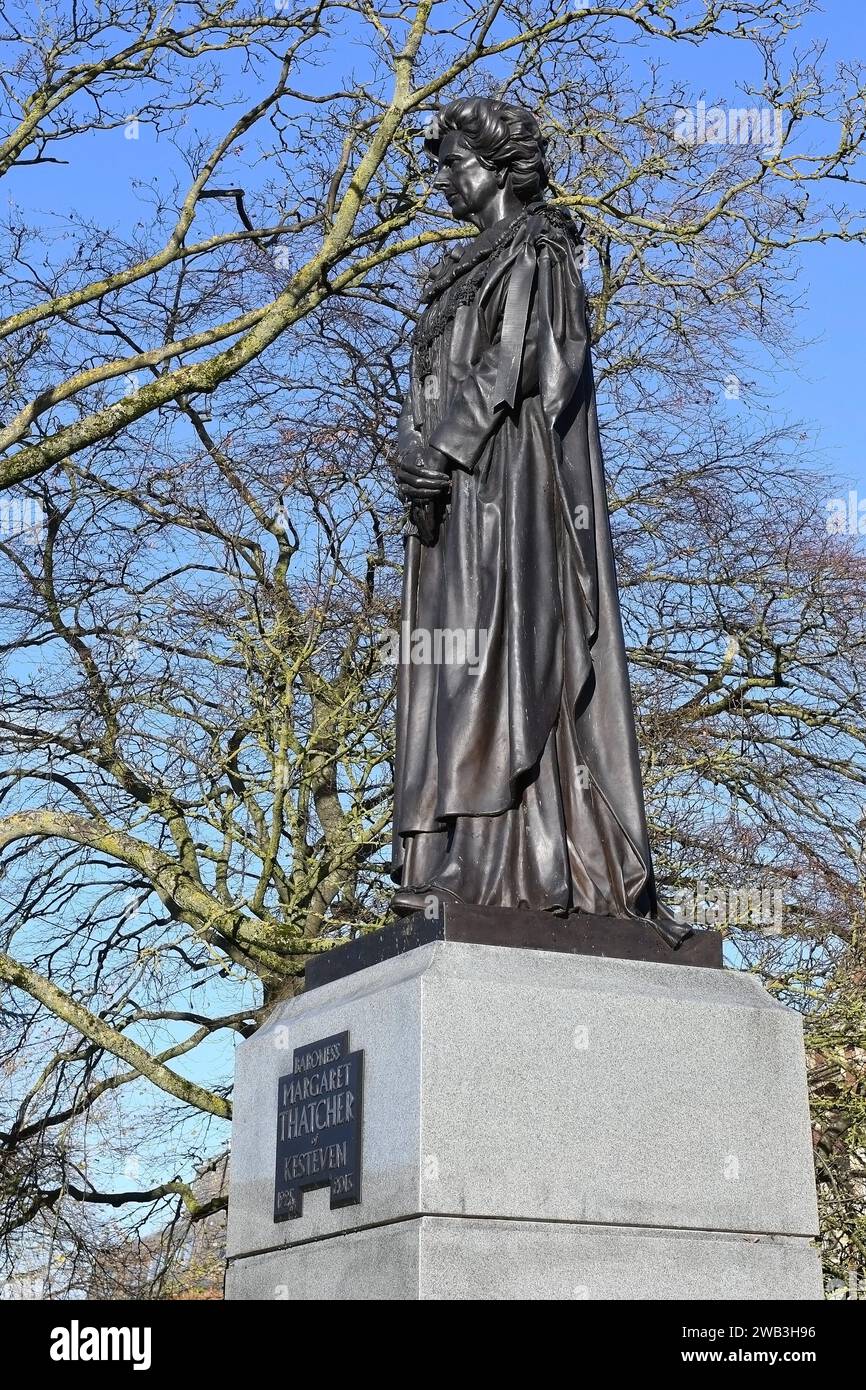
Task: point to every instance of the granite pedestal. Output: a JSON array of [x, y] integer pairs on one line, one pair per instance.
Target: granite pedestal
[[539, 1126]]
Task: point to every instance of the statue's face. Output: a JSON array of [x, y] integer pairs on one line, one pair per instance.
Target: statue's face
[[466, 183]]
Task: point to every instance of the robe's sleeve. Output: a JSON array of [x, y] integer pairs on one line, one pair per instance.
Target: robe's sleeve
[[563, 365], [533, 292]]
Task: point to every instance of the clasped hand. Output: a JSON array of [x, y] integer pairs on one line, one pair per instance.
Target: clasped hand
[[423, 474]]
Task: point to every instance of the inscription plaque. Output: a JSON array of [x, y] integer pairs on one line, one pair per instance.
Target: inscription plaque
[[319, 1126]]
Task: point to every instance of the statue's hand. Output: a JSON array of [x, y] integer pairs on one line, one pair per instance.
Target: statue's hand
[[422, 475]]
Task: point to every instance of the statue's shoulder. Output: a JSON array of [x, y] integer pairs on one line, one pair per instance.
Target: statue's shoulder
[[548, 225]]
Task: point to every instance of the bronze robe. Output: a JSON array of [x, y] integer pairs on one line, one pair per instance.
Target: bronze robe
[[517, 777]]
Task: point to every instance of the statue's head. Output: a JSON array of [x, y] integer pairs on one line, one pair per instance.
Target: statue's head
[[487, 143]]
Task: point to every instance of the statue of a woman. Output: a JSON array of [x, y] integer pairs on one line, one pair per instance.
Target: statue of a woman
[[517, 775]]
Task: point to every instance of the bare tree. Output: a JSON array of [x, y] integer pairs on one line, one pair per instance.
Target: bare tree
[[196, 731]]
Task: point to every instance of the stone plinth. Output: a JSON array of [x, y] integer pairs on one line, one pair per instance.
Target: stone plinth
[[540, 1126]]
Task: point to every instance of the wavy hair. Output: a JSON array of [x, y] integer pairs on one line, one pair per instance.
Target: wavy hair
[[502, 136]]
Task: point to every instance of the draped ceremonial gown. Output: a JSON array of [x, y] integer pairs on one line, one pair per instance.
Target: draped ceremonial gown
[[517, 776]]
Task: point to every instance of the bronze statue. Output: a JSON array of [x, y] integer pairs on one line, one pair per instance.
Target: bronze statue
[[517, 775]]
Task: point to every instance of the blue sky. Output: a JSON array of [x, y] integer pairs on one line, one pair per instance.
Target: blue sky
[[822, 387]]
